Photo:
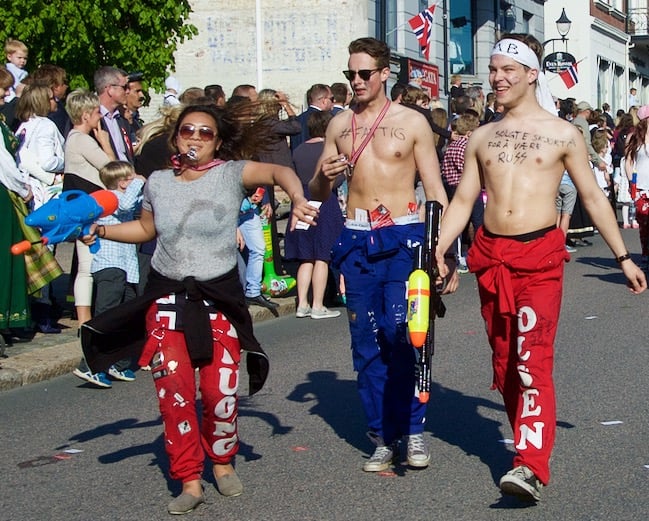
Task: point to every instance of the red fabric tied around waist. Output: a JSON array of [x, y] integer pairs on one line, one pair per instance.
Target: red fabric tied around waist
[[495, 260]]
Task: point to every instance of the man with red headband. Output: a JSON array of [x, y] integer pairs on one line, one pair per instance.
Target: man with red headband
[[518, 255]]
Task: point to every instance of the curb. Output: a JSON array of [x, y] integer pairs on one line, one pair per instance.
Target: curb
[[40, 362]]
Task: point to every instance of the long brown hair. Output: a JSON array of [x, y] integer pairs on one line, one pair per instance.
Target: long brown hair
[[440, 118], [636, 140], [243, 134]]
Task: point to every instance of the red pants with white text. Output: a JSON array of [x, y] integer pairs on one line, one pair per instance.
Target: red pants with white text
[[520, 285], [186, 437], [642, 216]]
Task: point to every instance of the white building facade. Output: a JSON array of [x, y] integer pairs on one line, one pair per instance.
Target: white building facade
[[602, 39], [289, 45]]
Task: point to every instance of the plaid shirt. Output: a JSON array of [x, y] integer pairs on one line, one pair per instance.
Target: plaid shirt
[[120, 255], [40, 265], [453, 162]]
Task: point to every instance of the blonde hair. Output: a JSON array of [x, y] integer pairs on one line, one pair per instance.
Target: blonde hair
[[34, 101], [164, 124], [79, 102], [113, 172], [600, 141], [465, 123], [268, 103], [12, 46]]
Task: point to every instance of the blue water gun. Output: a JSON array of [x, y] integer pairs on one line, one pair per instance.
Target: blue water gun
[[68, 217]]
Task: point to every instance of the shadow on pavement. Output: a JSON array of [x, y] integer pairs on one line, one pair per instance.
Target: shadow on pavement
[[454, 417], [337, 403]]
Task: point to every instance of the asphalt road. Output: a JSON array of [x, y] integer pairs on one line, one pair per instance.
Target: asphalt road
[[303, 440]]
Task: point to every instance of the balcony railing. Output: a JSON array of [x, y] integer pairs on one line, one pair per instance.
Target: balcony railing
[[637, 23]]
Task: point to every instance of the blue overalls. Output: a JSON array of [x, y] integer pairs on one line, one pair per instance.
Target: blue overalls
[[376, 265]]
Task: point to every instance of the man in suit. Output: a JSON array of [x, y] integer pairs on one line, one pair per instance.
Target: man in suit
[[342, 96], [112, 87], [135, 98], [319, 98]]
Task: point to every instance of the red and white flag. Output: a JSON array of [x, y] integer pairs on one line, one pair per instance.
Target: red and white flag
[[422, 25], [569, 76]]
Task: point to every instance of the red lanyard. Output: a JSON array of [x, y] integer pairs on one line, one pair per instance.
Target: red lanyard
[[127, 141], [370, 134]]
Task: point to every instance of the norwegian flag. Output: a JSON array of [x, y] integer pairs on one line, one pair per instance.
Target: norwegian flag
[[422, 25], [569, 76]]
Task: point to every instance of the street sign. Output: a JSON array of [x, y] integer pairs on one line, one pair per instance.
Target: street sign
[[558, 61]]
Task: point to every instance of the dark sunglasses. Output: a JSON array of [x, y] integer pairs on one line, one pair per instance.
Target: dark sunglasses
[[365, 74], [204, 133]]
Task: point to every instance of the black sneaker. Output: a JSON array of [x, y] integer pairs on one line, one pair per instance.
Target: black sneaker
[[259, 300], [521, 482]]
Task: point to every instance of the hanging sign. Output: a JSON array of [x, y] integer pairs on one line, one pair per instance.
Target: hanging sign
[[558, 61]]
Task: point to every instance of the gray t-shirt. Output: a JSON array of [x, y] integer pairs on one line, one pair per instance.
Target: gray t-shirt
[[195, 221]]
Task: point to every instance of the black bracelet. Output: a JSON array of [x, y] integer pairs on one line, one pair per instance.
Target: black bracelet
[[101, 231], [622, 258]]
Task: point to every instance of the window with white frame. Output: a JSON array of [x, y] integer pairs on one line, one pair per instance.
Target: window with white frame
[[618, 5]]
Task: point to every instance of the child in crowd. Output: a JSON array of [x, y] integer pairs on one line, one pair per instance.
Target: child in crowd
[[623, 197], [16, 52], [114, 267], [452, 168], [602, 145]]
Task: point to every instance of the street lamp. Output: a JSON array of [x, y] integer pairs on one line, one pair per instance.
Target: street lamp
[[563, 24], [563, 28]]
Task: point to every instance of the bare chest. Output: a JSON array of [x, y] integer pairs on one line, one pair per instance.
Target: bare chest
[[384, 142], [504, 148]]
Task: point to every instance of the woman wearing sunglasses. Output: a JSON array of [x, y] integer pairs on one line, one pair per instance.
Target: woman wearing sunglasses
[[193, 306]]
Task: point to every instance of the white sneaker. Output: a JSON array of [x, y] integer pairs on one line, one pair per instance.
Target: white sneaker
[[382, 457], [418, 453], [324, 313], [303, 312], [521, 482]]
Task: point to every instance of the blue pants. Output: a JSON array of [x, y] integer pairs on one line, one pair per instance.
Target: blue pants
[[253, 235], [376, 265]]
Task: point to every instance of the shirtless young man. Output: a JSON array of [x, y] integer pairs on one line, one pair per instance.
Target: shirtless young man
[[518, 255], [374, 251]]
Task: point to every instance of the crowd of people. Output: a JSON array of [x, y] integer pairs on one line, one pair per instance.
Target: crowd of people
[[237, 149], [182, 256]]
